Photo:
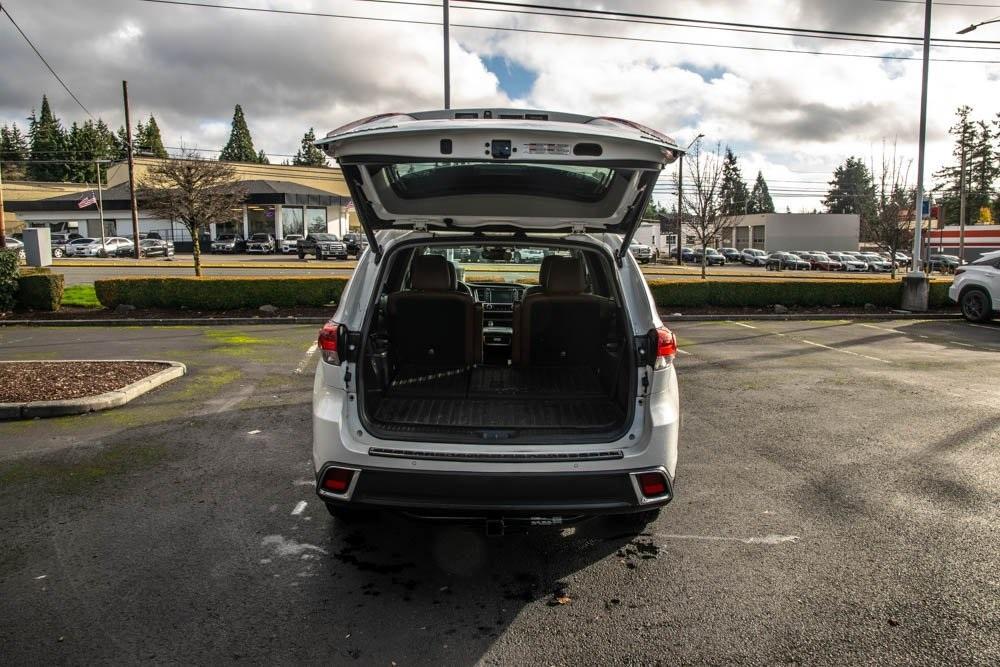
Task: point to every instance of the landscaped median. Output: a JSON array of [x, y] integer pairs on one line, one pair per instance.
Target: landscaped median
[[218, 293], [788, 292], [30, 389]]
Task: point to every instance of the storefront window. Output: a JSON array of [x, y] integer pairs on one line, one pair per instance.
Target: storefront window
[[316, 219], [260, 219], [228, 228], [291, 221]]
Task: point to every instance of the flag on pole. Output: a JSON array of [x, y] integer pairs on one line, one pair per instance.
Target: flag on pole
[[87, 200], [350, 206]]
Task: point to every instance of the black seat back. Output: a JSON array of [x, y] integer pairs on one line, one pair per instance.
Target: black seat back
[[431, 324]]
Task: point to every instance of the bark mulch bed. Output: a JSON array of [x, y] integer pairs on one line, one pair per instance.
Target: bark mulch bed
[[59, 380]]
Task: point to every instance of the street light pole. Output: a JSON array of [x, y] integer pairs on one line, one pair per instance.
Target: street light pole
[[918, 227], [961, 201], [976, 25], [447, 59]]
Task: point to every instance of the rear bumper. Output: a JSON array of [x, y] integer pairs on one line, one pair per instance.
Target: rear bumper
[[467, 494]]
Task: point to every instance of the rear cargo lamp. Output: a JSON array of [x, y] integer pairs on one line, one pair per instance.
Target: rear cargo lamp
[[652, 484], [337, 480], [666, 347], [329, 342]]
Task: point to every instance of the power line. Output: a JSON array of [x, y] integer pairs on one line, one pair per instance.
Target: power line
[[671, 23], [951, 4], [44, 61], [559, 33], [600, 12]]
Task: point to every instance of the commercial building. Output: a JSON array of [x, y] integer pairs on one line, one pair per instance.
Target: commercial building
[[793, 231], [281, 200], [979, 239]]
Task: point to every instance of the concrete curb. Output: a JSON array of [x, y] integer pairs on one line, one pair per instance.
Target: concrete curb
[[110, 399], [813, 316]]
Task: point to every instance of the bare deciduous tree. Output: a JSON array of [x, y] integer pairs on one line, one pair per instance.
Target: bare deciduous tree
[[703, 199], [194, 191], [890, 225]]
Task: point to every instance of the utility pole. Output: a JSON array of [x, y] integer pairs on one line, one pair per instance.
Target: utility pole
[[3, 226], [961, 201], [680, 206], [447, 59], [100, 201], [918, 227], [131, 173]]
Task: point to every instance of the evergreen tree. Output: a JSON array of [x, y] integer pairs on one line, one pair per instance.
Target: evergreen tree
[[48, 142], [121, 144], [148, 139], [734, 196], [309, 155], [981, 171], [262, 157], [852, 190], [87, 143], [950, 176], [760, 197], [13, 150], [239, 148]]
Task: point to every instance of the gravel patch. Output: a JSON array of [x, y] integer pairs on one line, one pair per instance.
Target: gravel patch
[[59, 380]]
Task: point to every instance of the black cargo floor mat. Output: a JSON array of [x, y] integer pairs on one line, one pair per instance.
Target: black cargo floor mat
[[535, 382], [423, 381], [573, 413]]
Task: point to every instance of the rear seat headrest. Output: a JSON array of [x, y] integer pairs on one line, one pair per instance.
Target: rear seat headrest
[[543, 270], [430, 272], [565, 276]]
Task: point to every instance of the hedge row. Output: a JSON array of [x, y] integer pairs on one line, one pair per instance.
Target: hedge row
[[736, 293], [40, 290], [8, 279], [218, 293]]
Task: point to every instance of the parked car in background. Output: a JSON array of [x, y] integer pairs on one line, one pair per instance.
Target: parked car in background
[[820, 261], [73, 247], [976, 288], [356, 243], [904, 260], [322, 246], [14, 244], [875, 262], [712, 257], [753, 257], [148, 248], [261, 243], [687, 254], [848, 262], [525, 256], [778, 261], [642, 253], [228, 243], [944, 263], [108, 248], [731, 254], [289, 244], [58, 242]]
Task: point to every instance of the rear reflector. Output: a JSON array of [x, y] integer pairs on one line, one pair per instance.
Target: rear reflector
[[652, 484], [337, 480], [329, 343]]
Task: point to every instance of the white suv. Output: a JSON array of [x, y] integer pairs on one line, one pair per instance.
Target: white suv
[[976, 288], [447, 391]]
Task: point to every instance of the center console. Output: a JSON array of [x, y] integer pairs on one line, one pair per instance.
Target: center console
[[498, 317]]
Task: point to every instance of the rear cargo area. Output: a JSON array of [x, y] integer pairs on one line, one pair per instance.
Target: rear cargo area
[[499, 397]]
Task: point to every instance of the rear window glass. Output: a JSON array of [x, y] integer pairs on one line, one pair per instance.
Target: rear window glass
[[419, 180]]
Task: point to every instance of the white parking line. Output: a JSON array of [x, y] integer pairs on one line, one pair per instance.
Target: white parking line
[[305, 359], [683, 351], [766, 539], [741, 324], [841, 350], [979, 326], [872, 326], [299, 508]]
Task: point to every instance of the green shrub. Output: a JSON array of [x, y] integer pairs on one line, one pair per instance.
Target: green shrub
[[8, 279], [218, 293], [40, 290], [736, 293]]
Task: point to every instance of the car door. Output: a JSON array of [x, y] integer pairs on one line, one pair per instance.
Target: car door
[[499, 170]]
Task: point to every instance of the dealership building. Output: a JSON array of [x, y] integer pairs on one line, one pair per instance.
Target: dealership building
[[280, 200], [765, 231]]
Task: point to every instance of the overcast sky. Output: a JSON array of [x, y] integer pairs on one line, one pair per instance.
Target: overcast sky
[[793, 116]]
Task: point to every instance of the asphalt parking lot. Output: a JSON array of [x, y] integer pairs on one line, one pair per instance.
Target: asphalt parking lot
[[837, 503]]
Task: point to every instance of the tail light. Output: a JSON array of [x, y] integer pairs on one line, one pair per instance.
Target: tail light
[[666, 347], [652, 484], [329, 343], [337, 480]]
